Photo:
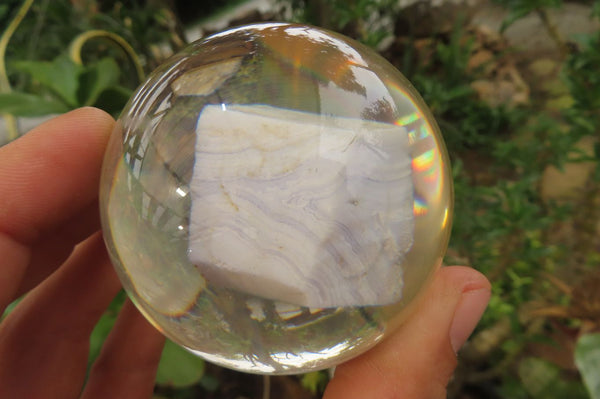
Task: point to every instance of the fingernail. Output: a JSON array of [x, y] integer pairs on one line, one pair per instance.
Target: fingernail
[[467, 314]]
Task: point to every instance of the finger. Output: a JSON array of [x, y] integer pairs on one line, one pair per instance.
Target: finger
[[46, 177], [52, 172], [417, 361], [126, 367], [52, 251], [44, 341]]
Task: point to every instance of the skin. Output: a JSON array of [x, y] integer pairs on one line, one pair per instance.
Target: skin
[[51, 249]]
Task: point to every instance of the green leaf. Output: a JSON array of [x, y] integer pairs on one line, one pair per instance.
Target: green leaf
[[597, 150], [596, 9], [104, 326], [3, 11], [61, 76], [209, 383], [516, 14], [24, 104], [178, 367], [96, 79], [314, 382], [113, 99], [99, 334], [11, 306], [537, 376], [543, 380], [587, 359]]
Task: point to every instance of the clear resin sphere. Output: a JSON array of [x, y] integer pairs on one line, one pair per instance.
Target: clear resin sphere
[[274, 198]]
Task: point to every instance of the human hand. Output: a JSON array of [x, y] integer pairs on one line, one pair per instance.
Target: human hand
[[51, 249], [418, 360], [48, 204]]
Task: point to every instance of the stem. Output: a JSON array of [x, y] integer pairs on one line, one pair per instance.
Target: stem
[[585, 223], [553, 31], [11, 122], [37, 29], [80, 40], [266, 387], [506, 250], [500, 368]]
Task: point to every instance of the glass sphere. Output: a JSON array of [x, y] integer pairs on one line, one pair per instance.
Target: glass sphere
[[274, 198]]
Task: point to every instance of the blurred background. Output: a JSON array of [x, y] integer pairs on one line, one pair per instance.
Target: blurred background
[[515, 88]]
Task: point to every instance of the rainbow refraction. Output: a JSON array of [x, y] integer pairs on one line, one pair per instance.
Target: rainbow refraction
[[426, 161]]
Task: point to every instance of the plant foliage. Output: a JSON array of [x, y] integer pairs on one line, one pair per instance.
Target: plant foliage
[[587, 357], [539, 252]]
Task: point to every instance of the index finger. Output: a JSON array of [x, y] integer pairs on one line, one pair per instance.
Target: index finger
[[46, 177], [51, 173]]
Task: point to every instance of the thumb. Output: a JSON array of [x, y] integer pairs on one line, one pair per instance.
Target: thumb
[[418, 359]]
